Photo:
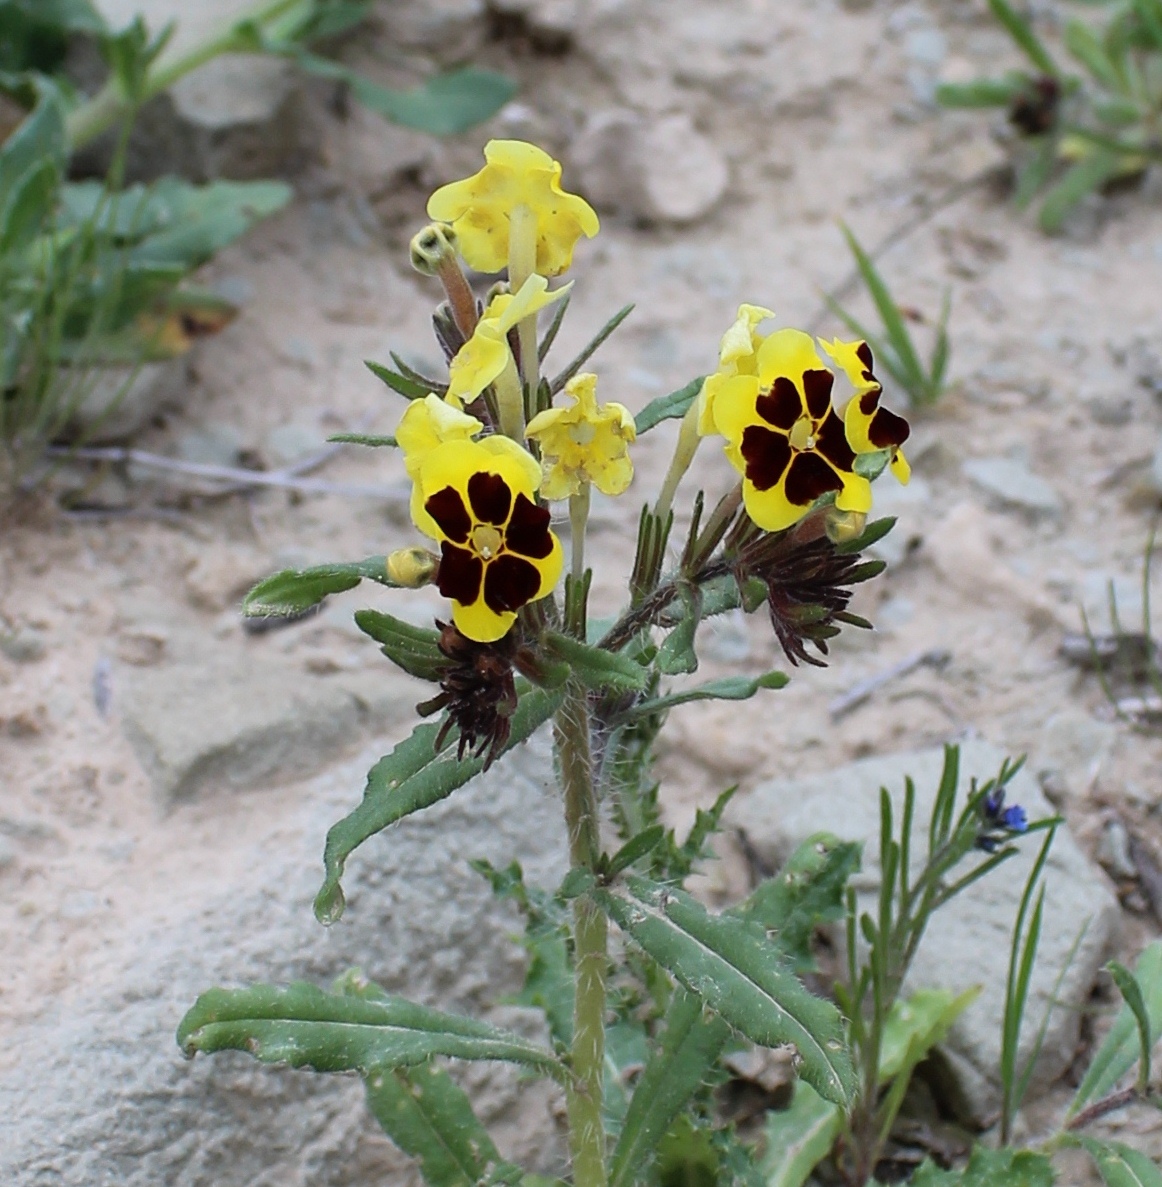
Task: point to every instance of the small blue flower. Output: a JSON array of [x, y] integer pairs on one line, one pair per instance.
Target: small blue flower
[[999, 823]]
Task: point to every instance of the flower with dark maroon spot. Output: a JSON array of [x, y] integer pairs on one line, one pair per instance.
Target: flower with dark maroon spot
[[870, 427], [478, 691], [784, 435], [477, 499]]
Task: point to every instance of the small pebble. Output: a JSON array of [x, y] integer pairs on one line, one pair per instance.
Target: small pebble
[[23, 647]]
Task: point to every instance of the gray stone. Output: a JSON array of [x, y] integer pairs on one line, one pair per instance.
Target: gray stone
[[1074, 747], [120, 401], [23, 646], [239, 116], [242, 715], [656, 170], [288, 443], [1012, 484], [8, 854], [968, 942], [212, 445], [93, 1090]]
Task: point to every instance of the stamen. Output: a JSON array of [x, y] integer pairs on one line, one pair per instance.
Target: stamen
[[802, 434]]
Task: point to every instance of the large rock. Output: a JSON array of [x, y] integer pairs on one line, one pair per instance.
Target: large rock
[[94, 1091], [968, 941], [240, 714]]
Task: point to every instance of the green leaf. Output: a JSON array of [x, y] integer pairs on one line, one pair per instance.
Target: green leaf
[[554, 327], [916, 1024], [729, 688], [304, 1026], [676, 656], [375, 441], [1082, 43], [1131, 991], [872, 465], [981, 92], [872, 534], [411, 778], [1120, 1165], [798, 1138], [413, 648], [586, 352], [1120, 1050], [1034, 172], [1084, 177], [690, 1046], [406, 387], [596, 667], [671, 407], [1022, 33], [990, 1168], [427, 1115], [34, 155], [635, 849], [292, 591], [737, 971]]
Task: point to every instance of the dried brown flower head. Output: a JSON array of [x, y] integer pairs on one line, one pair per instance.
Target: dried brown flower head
[[478, 690]]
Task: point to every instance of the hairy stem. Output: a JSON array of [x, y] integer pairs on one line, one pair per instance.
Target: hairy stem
[[586, 1125], [578, 519]]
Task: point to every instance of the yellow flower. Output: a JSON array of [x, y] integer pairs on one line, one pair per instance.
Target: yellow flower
[[586, 443], [426, 424], [482, 359], [784, 436], [496, 550], [737, 355], [869, 426], [516, 174]]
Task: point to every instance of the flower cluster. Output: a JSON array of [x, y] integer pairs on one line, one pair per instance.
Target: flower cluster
[[999, 824]]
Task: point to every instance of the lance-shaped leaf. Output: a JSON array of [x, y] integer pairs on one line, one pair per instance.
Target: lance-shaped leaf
[[808, 890], [673, 406], [428, 1115], [412, 777], [407, 387], [372, 440], [305, 1026], [1121, 1048], [292, 591], [798, 1138], [413, 648], [729, 688], [595, 667], [735, 969], [1120, 1165]]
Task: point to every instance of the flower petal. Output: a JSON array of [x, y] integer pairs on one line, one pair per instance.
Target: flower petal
[[489, 498], [460, 574], [767, 455], [447, 508], [808, 478], [770, 509], [481, 623], [741, 341], [509, 582], [783, 405], [855, 360], [787, 352], [528, 530]]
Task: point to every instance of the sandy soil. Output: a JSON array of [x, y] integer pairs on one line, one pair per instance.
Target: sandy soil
[[815, 108]]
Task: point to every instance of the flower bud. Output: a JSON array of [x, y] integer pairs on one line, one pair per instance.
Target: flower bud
[[843, 526], [412, 568], [433, 247]]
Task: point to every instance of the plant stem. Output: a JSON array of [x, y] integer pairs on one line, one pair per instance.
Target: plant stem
[[586, 1124], [684, 451], [522, 263], [510, 402], [111, 104], [578, 519]]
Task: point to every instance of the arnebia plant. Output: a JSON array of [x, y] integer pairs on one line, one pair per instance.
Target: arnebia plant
[[642, 988]]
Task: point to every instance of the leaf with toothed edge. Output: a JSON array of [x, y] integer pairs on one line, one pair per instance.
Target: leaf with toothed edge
[[730, 963], [413, 777]]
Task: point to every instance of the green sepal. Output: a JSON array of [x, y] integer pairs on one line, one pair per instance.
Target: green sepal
[[413, 777], [670, 407], [415, 649], [292, 591], [596, 667], [729, 688], [872, 534], [739, 973], [368, 1031], [872, 465]]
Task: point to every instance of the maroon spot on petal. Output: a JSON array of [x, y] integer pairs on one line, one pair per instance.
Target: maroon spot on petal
[[817, 385], [460, 574], [869, 401], [510, 582], [528, 530], [831, 442], [766, 454], [808, 478], [446, 507], [887, 429], [864, 354], [782, 405], [490, 497]]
